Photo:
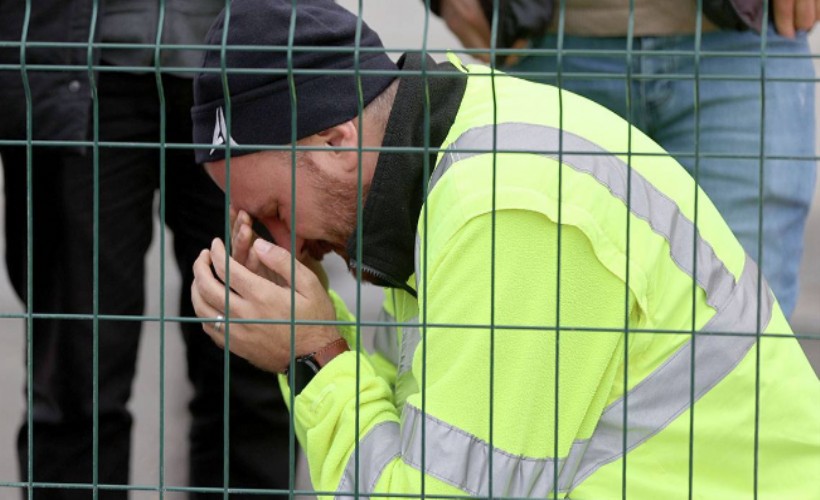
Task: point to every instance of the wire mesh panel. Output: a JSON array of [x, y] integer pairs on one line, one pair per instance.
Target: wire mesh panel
[[559, 223]]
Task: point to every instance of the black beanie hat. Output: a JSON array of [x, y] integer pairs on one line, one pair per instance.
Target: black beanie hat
[[260, 101]]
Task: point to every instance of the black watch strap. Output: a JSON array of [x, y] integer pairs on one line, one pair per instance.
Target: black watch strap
[[306, 367]]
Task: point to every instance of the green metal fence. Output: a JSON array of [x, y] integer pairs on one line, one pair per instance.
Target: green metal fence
[[433, 39]]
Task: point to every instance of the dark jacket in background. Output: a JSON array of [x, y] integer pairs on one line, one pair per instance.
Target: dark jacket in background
[[61, 98]]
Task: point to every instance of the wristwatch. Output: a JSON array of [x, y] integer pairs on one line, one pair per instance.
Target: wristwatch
[[306, 367]]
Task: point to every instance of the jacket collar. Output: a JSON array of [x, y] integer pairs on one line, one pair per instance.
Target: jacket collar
[[391, 210]]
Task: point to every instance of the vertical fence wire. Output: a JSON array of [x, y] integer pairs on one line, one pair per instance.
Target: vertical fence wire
[[760, 280], [162, 206], [359, 249], [427, 168], [95, 152], [226, 358], [494, 30], [29, 255], [294, 151], [629, 78], [696, 174], [559, 82]]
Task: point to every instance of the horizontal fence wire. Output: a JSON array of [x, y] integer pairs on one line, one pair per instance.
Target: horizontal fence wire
[[486, 323]]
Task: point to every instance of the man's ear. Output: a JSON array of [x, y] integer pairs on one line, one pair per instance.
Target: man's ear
[[341, 135], [217, 172], [342, 141]]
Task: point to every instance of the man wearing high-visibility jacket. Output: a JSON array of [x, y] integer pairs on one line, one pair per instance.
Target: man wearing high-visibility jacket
[[567, 315]]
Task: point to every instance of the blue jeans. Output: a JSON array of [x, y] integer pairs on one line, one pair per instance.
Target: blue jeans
[[712, 125]]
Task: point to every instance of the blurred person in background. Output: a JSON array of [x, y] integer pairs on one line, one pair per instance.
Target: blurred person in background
[[65, 278], [700, 95]]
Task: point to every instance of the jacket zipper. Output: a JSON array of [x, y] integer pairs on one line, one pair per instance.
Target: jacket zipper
[[382, 278]]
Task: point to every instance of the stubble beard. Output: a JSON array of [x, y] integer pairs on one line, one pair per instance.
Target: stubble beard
[[340, 201]]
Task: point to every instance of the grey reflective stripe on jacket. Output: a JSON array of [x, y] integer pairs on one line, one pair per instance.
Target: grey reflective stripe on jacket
[[385, 341], [462, 460], [384, 338], [376, 449], [583, 156]]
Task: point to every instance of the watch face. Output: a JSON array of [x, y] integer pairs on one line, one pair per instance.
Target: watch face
[[310, 363], [303, 372]]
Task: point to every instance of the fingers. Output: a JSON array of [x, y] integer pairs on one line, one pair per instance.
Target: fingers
[[513, 58], [479, 26], [241, 243], [241, 236], [466, 20], [482, 56], [791, 16], [279, 260], [245, 283], [784, 17], [257, 267], [238, 219], [804, 14], [210, 289], [203, 308]]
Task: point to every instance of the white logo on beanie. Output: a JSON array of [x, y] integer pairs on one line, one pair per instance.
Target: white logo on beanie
[[220, 131]]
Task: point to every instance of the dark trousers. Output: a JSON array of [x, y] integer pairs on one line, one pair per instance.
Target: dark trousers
[[63, 283]]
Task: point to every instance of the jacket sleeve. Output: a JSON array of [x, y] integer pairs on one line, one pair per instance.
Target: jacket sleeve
[[486, 391]]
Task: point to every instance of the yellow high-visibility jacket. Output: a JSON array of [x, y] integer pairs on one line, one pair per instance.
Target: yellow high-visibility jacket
[[585, 325]]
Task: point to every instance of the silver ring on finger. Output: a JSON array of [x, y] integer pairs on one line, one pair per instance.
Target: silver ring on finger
[[218, 323]]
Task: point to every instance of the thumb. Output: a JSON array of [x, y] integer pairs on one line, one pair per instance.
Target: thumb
[[280, 261]]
